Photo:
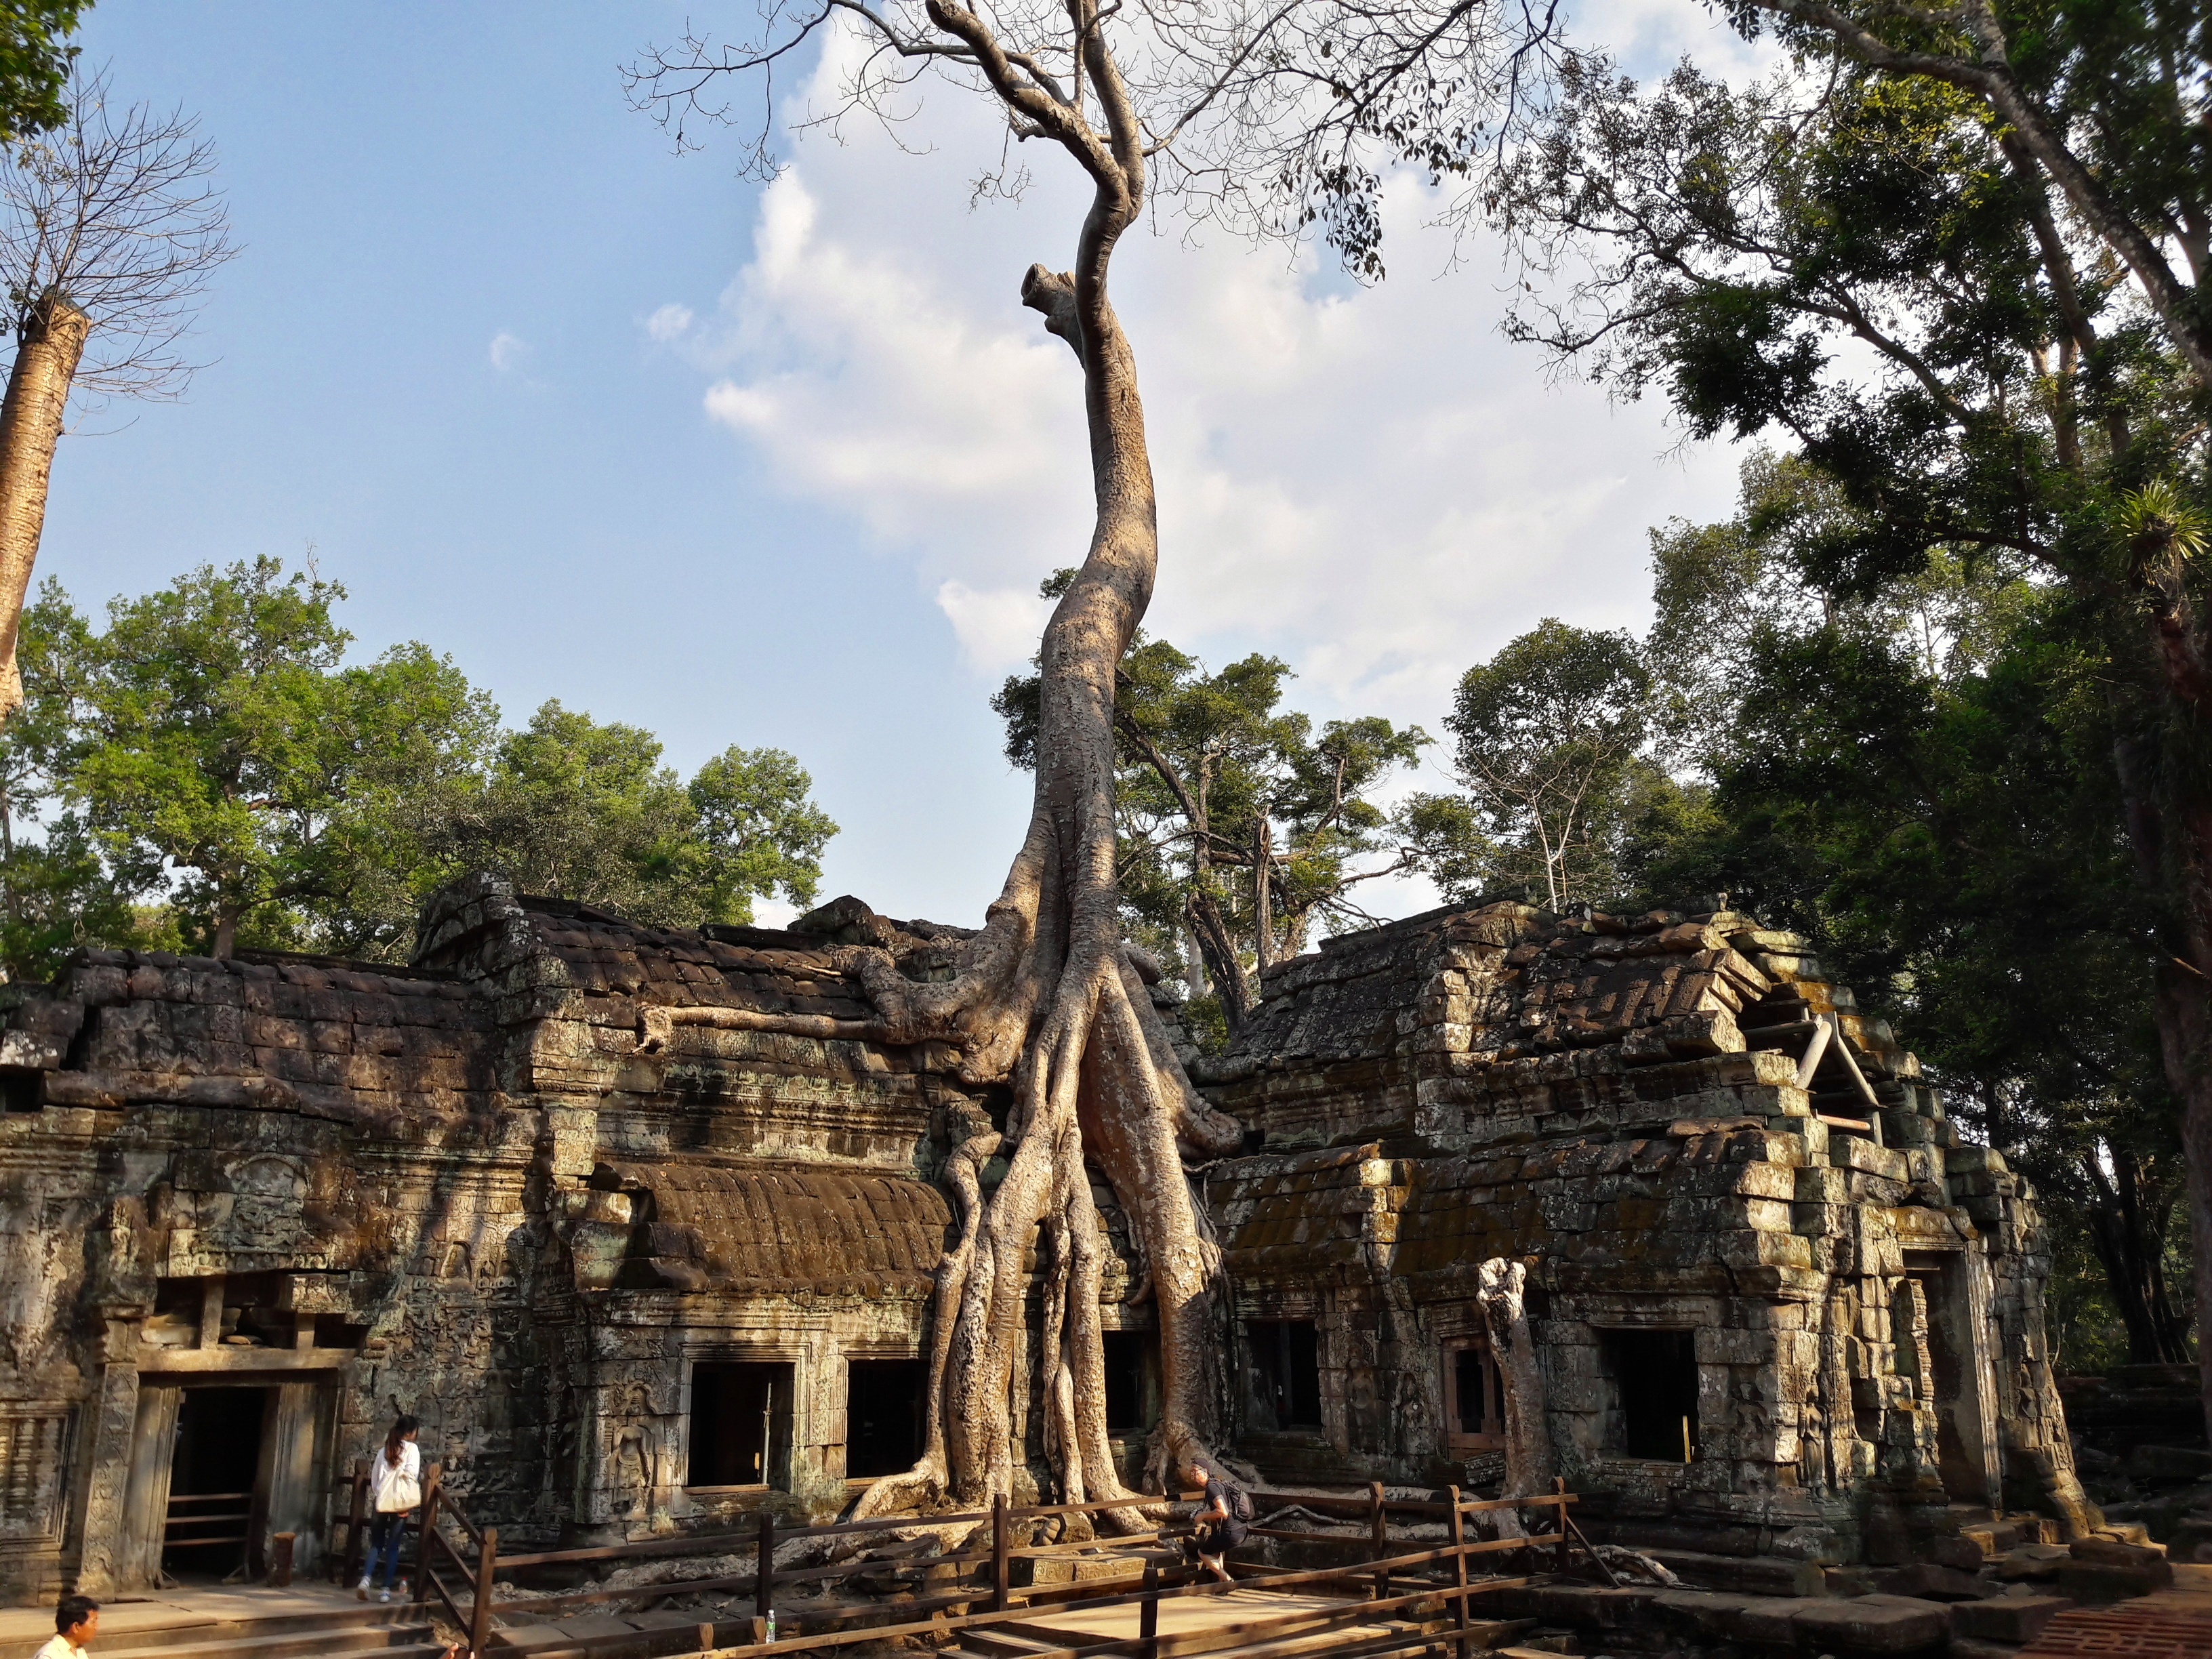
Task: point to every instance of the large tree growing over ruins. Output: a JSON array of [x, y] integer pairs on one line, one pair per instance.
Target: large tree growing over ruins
[[1959, 254], [1046, 997]]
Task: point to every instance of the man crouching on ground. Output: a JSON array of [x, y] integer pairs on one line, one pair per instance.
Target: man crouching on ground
[[1220, 1521]]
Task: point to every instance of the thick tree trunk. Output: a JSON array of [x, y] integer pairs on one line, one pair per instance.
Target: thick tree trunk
[[226, 930], [1219, 949], [49, 345], [1263, 908], [2180, 1008], [1499, 1287], [2173, 854], [2127, 1227], [1046, 996]]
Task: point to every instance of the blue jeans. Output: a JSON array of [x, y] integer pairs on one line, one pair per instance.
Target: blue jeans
[[387, 1533]]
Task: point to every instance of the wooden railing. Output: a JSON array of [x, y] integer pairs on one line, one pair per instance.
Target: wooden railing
[[994, 1566]]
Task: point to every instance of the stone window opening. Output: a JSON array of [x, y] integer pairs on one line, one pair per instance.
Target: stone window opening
[[740, 1425], [1285, 1371], [885, 1405], [1475, 1398], [1132, 1382], [1651, 1393]]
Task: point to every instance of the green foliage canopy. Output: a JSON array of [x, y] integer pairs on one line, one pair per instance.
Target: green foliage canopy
[[34, 64], [207, 771]]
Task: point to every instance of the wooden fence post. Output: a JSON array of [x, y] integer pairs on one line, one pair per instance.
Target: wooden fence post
[[356, 1518], [1148, 1619], [280, 1559], [1459, 1569], [1380, 1529], [487, 1569], [998, 1565], [1559, 1488], [432, 1490], [765, 1575]]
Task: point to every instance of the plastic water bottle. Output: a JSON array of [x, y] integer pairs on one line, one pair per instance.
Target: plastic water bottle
[[771, 1623]]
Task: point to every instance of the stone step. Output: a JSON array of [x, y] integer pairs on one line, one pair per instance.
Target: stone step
[[132, 1628], [199, 1642]]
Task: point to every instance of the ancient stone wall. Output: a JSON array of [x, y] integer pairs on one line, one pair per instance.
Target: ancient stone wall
[[567, 1180], [1618, 1103]]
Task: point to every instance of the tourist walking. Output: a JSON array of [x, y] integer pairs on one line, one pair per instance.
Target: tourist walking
[[395, 1487], [77, 1621]]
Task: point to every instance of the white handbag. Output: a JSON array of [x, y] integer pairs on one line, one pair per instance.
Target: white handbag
[[402, 1492]]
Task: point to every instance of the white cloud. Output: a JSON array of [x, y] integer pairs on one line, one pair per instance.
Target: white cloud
[[774, 913], [506, 351], [998, 631], [669, 323], [1372, 483]]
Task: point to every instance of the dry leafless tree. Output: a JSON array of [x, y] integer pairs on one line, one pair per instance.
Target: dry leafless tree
[[112, 228]]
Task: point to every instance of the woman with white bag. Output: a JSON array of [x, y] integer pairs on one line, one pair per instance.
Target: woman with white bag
[[395, 1487]]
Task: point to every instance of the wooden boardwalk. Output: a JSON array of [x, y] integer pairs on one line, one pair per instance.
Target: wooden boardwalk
[[1222, 1618]]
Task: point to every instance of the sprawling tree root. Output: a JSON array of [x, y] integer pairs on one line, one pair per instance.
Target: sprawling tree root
[[1499, 1284]]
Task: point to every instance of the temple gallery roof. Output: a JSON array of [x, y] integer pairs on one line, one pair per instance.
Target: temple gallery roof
[[773, 1228], [1506, 981]]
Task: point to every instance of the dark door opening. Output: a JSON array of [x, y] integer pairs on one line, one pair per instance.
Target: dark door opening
[[1653, 1378], [1131, 1382], [740, 1425], [1941, 1309], [1475, 1399], [213, 1476], [1285, 1373], [884, 1414]]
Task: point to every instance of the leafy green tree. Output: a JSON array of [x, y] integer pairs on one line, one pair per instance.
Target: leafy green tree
[[1917, 781], [207, 773], [1552, 733], [584, 811], [213, 733], [1239, 826], [35, 57]]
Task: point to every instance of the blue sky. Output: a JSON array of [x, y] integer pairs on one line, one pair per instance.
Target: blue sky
[[783, 466]]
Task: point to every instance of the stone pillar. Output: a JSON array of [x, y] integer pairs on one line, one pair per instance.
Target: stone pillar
[[111, 1439], [1977, 1416], [295, 1440], [146, 1509]]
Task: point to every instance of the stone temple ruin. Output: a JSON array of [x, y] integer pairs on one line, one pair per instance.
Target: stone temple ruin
[[644, 1271]]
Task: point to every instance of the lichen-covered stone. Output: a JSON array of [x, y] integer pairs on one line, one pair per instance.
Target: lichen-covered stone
[[524, 1187]]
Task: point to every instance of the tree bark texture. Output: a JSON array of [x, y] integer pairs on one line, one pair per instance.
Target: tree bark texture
[[1499, 1293], [49, 345], [2127, 1230], [2173, 853]]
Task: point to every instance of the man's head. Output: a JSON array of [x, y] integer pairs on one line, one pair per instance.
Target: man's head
[[77, 1618], [1200, 1474]]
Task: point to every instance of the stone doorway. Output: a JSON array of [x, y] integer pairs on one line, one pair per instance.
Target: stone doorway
[[219, 1466], [1962, 1384], [217, 1498]]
